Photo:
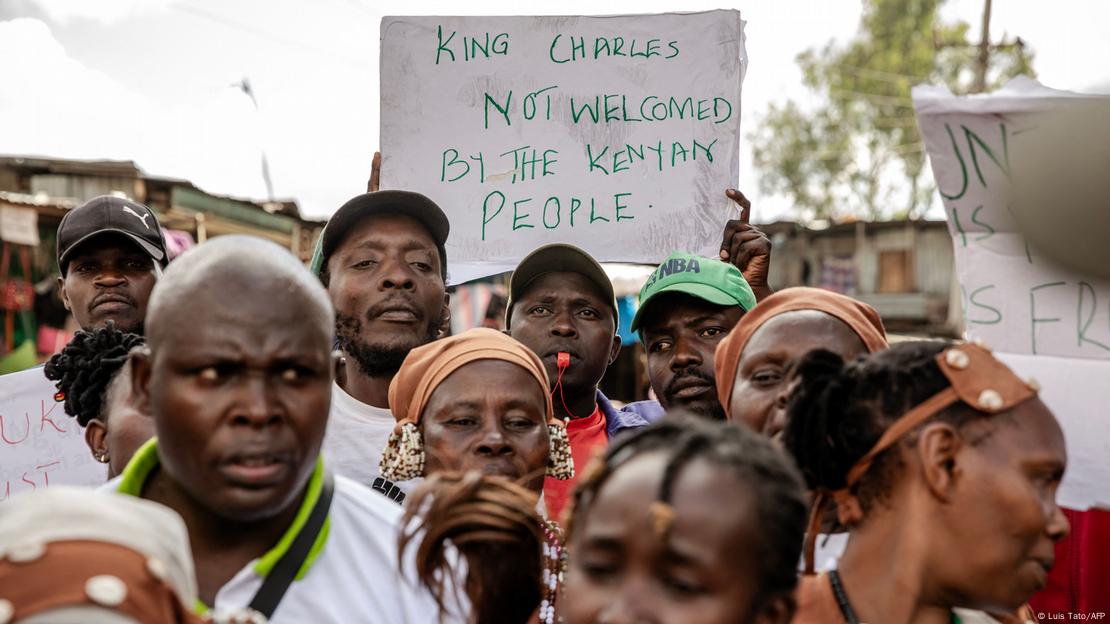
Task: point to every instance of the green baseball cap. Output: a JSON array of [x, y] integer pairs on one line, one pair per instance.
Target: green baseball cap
[[717, 282]]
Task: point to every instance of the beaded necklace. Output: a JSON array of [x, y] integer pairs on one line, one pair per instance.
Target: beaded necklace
[[554, 569]]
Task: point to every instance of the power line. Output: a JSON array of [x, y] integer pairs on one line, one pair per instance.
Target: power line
[[246, 28], [198, 12], [879, 75], [880, 99]]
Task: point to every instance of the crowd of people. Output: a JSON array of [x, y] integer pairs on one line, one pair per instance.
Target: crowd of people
[[293, 444]]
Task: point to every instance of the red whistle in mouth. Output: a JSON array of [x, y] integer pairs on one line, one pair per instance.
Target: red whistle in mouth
[[562, 359]]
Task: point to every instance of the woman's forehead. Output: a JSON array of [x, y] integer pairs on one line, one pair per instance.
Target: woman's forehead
[[793, 333], [1029, 432], [697, 484], [711, 512], [490, 376]]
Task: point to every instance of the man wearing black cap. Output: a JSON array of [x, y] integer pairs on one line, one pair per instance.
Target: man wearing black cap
[[382, 259], [110, 252], [561, 301]]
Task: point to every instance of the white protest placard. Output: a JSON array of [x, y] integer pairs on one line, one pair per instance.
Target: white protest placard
[[19, 225], [40, 445], [617, 134], [1044, 320]]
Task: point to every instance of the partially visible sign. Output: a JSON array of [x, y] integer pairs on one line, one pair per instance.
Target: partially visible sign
[[40, 445], [19, 225], [1044, 319]]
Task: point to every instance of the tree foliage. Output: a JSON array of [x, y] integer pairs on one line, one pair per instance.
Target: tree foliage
[[858, 152]]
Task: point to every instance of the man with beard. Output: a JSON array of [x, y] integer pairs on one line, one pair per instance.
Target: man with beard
[[688, 305], [382, 259]]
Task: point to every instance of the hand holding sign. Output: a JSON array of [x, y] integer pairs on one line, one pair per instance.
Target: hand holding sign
[[747, 247]]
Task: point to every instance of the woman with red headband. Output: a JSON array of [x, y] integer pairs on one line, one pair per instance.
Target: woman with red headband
[[944, 467]]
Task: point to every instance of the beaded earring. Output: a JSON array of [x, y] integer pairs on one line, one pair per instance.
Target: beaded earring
[[403, 458], [561, 463]]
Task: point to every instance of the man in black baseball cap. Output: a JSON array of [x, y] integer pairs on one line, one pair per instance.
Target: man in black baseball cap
[[382, 259], [110, 252], [562, 302]]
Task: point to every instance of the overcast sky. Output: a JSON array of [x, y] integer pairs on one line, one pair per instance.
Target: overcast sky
[[149, 80]]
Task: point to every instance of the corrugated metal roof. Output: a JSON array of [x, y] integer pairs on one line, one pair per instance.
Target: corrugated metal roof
[[35, 201], [112, 168]]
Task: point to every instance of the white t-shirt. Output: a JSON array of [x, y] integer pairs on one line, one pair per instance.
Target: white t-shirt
[[353, 577], [355, 440]]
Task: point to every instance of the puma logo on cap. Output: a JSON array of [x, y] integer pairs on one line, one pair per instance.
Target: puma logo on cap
[[128, 210]]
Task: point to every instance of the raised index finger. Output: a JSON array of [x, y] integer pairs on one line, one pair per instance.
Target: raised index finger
[[745, 205]]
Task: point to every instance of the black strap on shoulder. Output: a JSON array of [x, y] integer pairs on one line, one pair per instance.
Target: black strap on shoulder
[[285, 570]]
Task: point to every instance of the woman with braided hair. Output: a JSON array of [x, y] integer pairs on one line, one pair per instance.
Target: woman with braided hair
[[92, 375], [686, 521], [944, 467]]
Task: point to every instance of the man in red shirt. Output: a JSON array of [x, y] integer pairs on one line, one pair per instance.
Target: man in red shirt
[[561, 301]]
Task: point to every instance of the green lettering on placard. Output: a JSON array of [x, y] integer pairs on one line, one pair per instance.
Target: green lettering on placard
[[706, 149], [963, 168], [594, 164], [676, 150], [682, 112], [504, 110], [976, 221], [997, 313], [971, 136], [618, 164], [547, 163], [598, 43], [1033, 312], [440, 48], [1082, 325], [530, 101], [575, 204], [551, 51], [719, 100], [454, 161], [959, 228], [576, 113], [520, 217], [558, 213], [618, 207], [486, 217], [658, 149], [593, 215]]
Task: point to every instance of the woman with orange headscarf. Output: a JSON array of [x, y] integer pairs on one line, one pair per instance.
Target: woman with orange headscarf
[[752, 363], [479, 402]]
